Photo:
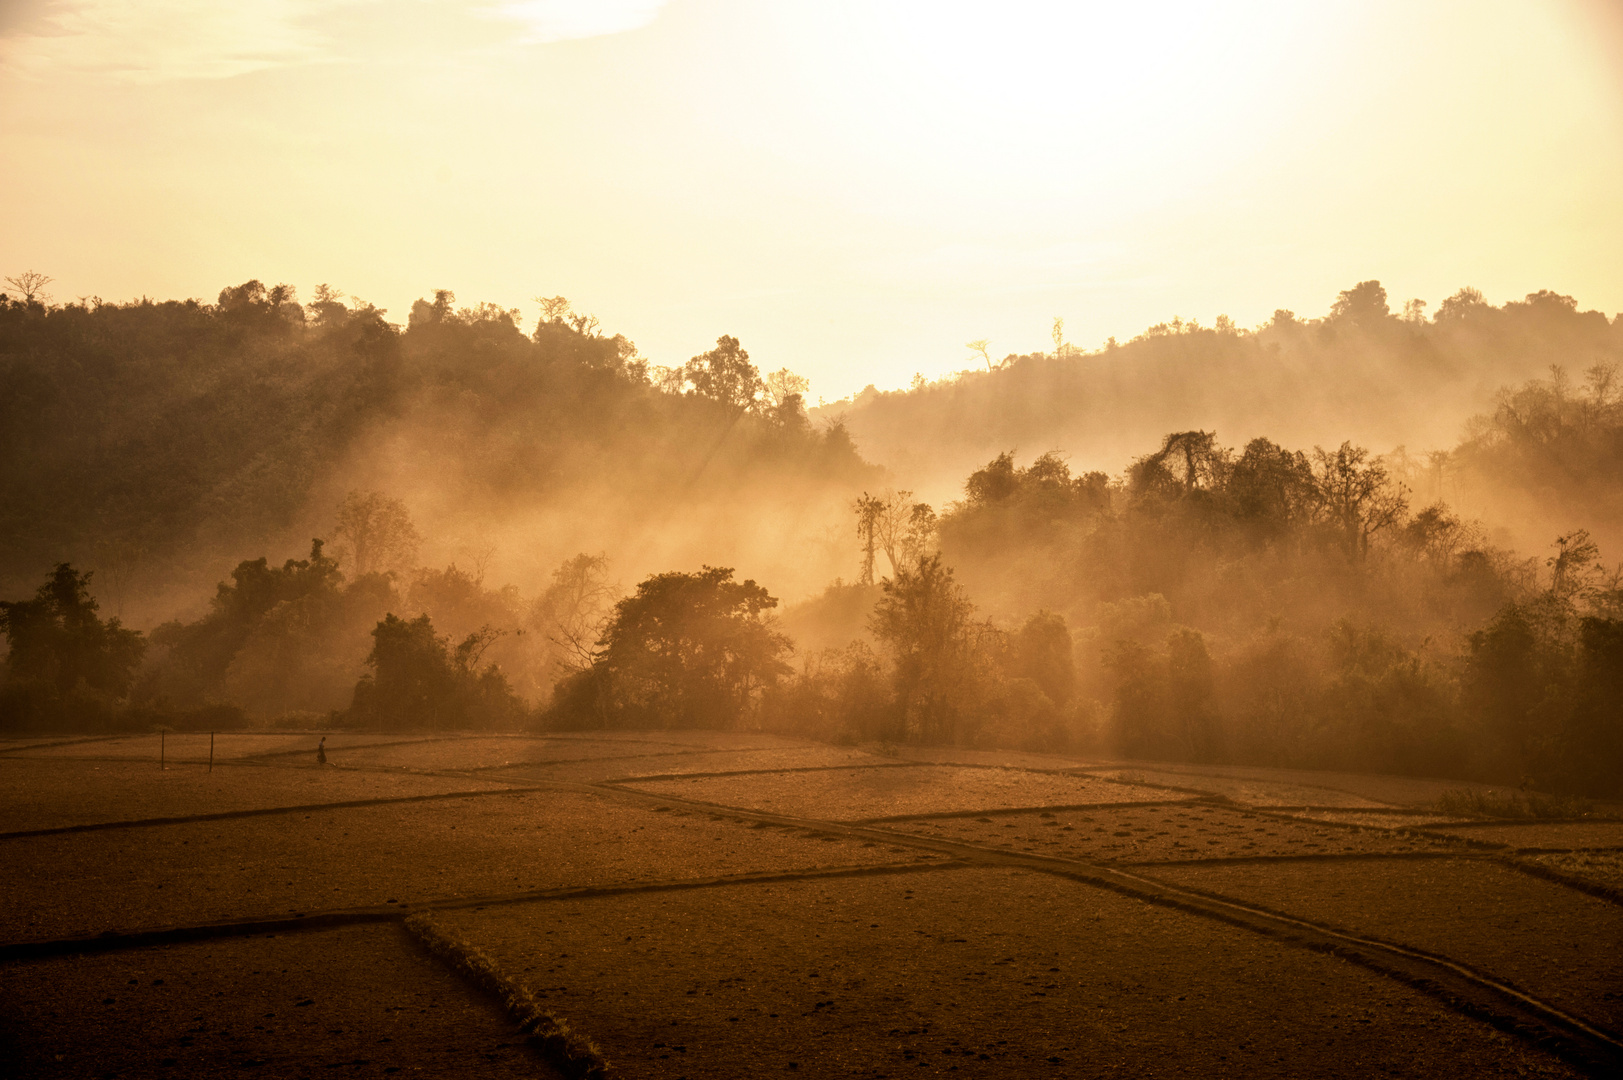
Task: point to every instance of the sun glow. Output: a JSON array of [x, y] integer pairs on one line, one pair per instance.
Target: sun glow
[[853, 188]]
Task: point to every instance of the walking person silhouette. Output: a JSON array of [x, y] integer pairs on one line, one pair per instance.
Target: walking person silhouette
[[321, 751]]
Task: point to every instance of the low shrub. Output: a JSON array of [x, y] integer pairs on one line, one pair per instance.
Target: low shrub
[[1511, 804]]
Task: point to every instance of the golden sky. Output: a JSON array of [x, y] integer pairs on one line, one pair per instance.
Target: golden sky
[[855, 189]]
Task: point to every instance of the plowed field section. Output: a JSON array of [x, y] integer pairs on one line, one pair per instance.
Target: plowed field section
[[86, 883], [357, 1002], [859, 794], [1553, 942], [978, 972], [1164, 833], [47, 794], [690, 761]]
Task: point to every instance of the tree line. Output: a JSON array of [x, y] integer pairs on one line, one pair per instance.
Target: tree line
[[1321, 606], [1382, 372], [1265, 606], [156, 441]]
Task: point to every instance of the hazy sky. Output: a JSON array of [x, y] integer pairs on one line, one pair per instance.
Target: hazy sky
[[855, 189]]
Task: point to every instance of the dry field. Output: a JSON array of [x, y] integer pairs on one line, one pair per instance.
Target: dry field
[[719, 905]]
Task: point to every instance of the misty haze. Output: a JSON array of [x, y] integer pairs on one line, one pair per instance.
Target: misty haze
[[803, 604]]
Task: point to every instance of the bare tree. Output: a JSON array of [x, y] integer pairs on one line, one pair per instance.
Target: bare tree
[[374, 533], [572, 611], [553, 308], [980, 345], [472, 650], [478, 551], [668, 380], [782, 383], [1575, 568], [903, 529], [1356, 496], [868, 510], [31, 284]]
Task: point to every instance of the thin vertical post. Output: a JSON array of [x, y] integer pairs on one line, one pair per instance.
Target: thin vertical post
[[211, 751]]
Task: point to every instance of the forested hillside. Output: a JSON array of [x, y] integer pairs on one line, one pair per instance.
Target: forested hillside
[[160, 443], [1382, 378], [261, 512]]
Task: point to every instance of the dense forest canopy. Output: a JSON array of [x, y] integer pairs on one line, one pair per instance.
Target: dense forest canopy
[[478, 497], [160, 442], [1380, 377]]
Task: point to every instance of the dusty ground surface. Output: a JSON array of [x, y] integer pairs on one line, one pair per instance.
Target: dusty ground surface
[[353, 1002], [1177, 832], [1557, 943], [979, 972], [686, 761], [904, 908], [1376, 819], [1251, 791], [87, 883], [1563, 836], [892, 790], [1603, 868], [494, 752], [49, 794]]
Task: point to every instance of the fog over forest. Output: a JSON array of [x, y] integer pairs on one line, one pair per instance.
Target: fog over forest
[[1374, 539]]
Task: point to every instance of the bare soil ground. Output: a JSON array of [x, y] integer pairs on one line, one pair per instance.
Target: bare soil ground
[[1179, 832], [1297, 786], [688, 761], [858, 794], [978, 972], [1556, 943], [734, 905], [494, 752], [128, 879], [1602, 868], [40, 794], [1252, 792], [1376, 818], [1546, 836], [352, 1002]]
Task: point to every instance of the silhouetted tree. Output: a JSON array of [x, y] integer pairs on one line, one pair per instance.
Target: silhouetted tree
[[417, 680], [1190, 458], [994, 482], [197, 656], [726, 376], [869, 509], [31, 284], [783, 384], [927, 621], [1272, 488], [1356, 497], [685, 650], [62, 658], [1364, 305]]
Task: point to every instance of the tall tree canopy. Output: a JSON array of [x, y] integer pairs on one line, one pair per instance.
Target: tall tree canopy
[[684, 650], [63, 660]]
